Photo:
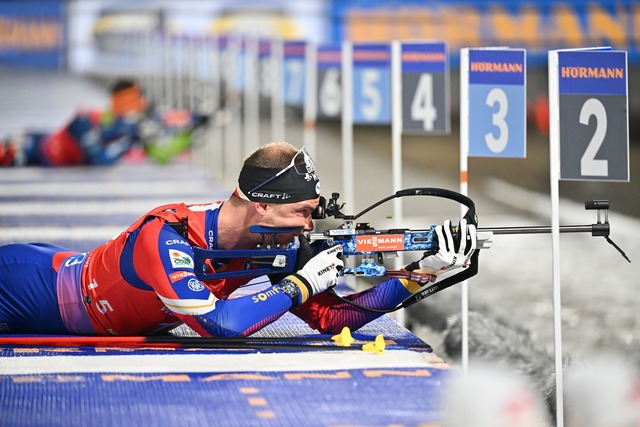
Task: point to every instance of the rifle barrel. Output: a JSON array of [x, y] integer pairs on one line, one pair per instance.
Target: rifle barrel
[[538, 229], [532, 229]]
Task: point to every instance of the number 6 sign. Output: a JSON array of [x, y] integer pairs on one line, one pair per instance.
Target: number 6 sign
[[329, 82], [495, 102], [592, 112]]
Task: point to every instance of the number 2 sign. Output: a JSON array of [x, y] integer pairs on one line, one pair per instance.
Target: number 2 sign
[[592, 111]]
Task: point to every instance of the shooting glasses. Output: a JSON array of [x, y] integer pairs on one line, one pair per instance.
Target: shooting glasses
[[302, 164]]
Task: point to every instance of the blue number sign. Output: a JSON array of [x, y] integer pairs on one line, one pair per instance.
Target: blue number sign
[[264, 67], [293, 73], [372, 83], [497, 102]]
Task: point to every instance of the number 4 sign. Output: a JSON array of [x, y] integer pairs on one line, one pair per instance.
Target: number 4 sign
[[589, 113], [425, 88]]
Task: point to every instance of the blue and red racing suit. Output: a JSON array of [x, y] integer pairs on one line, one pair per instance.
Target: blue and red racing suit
[[142, 282], [84, 140]]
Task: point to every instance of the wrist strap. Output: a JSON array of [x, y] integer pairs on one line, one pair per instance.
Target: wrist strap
[[420, 278], [292, 290], [304, 288]]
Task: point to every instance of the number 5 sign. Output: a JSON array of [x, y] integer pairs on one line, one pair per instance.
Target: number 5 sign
[[494, 102], [372, 83], [588, 102]]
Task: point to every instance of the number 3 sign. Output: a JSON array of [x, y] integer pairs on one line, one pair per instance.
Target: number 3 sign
[[591, 93], [495, 103]]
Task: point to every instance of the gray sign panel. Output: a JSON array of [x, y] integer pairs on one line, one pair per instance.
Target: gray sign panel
[[412, 123], [593, 137]]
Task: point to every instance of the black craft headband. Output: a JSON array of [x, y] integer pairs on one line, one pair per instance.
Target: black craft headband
[[277, 185]]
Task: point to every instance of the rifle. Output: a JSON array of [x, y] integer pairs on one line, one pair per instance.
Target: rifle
[[362, 239]]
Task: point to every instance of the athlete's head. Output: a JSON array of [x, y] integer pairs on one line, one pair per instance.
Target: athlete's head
[[283, 181], [127, 98]]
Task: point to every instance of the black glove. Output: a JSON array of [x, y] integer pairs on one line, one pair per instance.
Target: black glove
[[306, 251]]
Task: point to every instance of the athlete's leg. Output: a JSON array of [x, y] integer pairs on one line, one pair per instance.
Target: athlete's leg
[[28, 301], [326, 313]]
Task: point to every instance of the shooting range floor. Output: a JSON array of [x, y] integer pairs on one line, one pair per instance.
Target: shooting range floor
[[46, 386]]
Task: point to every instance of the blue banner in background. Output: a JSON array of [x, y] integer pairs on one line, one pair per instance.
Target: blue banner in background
[[537, 26], [504, 67], [32, 33], [329, 56], [592, 72], [424, 58]]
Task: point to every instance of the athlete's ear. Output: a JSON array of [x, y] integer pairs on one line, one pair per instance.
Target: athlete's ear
[[261, 208]]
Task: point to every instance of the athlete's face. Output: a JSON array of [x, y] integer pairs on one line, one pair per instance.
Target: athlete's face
[[290, 215]]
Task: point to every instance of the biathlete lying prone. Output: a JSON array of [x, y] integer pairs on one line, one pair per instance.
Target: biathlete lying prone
[[144, 282]]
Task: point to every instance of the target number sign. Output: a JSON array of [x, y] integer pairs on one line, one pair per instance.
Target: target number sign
[[329, 90], [497, 102], [593, 115], [265, 69], [293, 73], [425, 88], [372, 83]]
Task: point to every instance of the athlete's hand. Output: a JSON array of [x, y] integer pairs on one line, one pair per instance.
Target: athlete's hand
[[452, 253], [321, 271], [306, 251]]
